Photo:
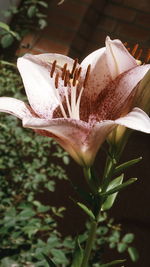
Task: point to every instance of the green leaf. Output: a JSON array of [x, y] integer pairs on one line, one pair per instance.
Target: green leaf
[[32, 11], [121, 247], [127, 164], [110, 199], [66, 159], [49, 261], [133, 254], [4, 26], [6, 40], [119, 187], [59, 256], [86, 210], [128, 238], [42, 23], [112, 245], [78, 255], [112, 263], [42, 3]]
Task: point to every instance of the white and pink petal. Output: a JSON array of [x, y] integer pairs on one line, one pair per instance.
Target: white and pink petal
[[15, 107], [118, 58], [99, 73], [137, 120], [117, 99]]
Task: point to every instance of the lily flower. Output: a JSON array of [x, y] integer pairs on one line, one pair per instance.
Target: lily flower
[[80, 104]]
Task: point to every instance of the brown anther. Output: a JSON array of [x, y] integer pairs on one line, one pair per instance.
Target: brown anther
[[134, 50], [74, 67], [56, 80], [64, 71], [147, 59], [139, 54], [67, 77], [78, 73], [76, 76], [125, 44], [87, 75], [53, 68]]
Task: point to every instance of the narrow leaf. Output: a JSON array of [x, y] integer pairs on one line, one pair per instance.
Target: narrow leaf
[[112, 263], [78, 255], [127, 164], [111, 198], [49, 261], [86, 210], [119, 187]]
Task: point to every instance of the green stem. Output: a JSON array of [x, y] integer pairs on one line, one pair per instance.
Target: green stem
[[89, 244], [92, 234], [109, 169]]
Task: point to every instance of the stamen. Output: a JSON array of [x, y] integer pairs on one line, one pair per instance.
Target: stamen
[[75, 77], [139, 54], [53, 68], [147, 59], [125, 44], [87, 75], [78, 73], [74, 67], [64, 71], [67, 77], [56, 80], [134, 50]]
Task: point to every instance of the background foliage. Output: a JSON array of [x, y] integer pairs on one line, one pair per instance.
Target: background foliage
[[31, 164]]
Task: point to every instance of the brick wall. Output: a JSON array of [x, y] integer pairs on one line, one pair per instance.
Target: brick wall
[[63, 24], [128, 20], [78, 27]]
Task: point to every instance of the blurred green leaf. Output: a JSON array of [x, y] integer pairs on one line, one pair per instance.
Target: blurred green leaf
[[78, 255], [6, 40], [49, 261], [133, 254], [128, 238], [4, 26], [32, 11], [42, 23], [112, 263], [121, 247]]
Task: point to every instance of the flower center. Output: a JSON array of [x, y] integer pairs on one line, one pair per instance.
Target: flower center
[[73, 89]]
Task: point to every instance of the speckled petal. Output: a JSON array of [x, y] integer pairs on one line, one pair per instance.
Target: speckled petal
[[80, 139], [15, 107], [117, 98], [71, 134], [39, 86]]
